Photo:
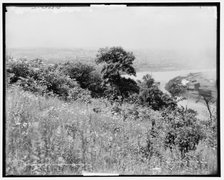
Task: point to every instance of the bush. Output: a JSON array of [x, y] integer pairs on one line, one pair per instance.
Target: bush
[[80, 94], [78, 71], [53, 137], [183, 129], [16, 69], [151, 95], [37, 77], [95, 85], [85, 75], [175, 87]]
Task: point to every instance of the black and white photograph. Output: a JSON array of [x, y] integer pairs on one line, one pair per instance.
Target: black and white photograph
[[117, 89]]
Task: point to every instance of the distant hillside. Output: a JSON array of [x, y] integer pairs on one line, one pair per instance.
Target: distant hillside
[[146, 59], [50, 55]]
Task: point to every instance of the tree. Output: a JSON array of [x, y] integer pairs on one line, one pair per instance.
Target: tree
[[182, 129], [151, 95], [79, 72], [85, 75], [175, 87], [116, 62], [207, 96]]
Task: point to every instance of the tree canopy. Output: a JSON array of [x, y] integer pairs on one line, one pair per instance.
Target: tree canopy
[[116, 62]]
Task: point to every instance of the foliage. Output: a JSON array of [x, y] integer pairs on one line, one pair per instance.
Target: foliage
[[85, 75], [19, 68], [37, 77], [175, 87], [52, 137], [59, 121], [183, 129], [152, 96], [117, 61], [78, 71]]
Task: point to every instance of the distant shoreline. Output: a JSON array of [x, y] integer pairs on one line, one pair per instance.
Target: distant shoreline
[[164, 76], [167, 74]]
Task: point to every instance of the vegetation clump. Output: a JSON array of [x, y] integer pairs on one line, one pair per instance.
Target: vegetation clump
[[175, 87], [117, 61], [69, 118]]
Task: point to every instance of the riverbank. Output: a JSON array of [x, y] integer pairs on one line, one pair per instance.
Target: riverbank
[[164, 76]]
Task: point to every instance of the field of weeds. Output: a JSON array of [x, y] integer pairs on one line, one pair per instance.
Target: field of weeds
[[47, 136]]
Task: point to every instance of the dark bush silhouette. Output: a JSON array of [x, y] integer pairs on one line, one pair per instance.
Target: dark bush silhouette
[[117, 61], [37, 77], [17, 69], [175, 87], [85, 75], [183, 129], [78, 71], [151, 95]]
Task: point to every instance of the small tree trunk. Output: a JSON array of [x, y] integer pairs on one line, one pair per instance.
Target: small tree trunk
[[208, 107]]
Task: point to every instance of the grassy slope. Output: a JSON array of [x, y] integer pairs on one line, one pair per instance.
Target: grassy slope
[[48, 136]]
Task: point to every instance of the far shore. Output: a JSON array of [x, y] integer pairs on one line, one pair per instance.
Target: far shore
[[164, 76]]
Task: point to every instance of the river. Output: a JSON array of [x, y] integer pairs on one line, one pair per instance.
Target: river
[[164, 76]]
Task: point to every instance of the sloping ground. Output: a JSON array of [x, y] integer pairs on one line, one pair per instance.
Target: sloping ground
[[49, 136], [206, 77], [52, 137], [200, 107]]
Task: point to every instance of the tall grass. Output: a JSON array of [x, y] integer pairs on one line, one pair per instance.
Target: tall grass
[[52, 137]]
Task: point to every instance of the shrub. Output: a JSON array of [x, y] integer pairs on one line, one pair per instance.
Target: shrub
[[175, 87], [85, 75], [80, 94], [53, 137], [151, 95], [58, 83], [37, 77], [78, 71], [17, 68], [95, 85], [182, 129]]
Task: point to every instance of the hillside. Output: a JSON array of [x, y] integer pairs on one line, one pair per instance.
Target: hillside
[[52, 137], [69, 119]]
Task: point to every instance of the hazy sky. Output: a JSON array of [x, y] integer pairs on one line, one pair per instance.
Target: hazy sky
[[130, 27]]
